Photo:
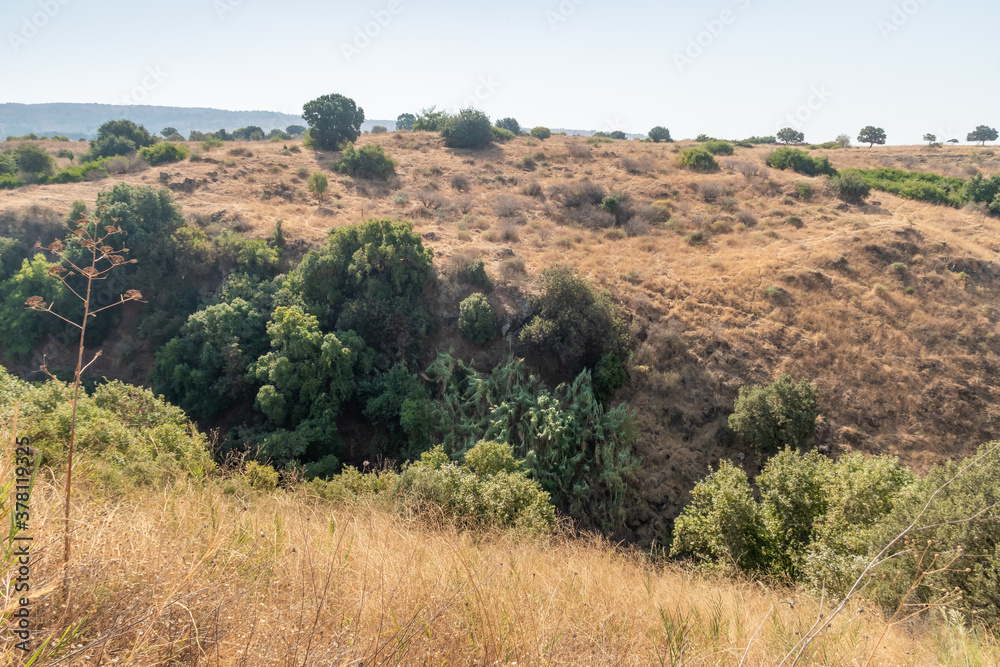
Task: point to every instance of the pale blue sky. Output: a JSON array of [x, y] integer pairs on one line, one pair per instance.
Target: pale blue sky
[[911, 66]]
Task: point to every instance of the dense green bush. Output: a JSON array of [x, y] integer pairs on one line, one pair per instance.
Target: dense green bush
[[118, 137], [913, 184], [790, 136], [509, 124], [718, 147], [305, 379], [333, 120], [429, 120], [368, 278], [8, 165], [502, 135], [579, 452], [780, 414], [541, 132], [10, 181], [397, 404], [125, 434], [981, 190], [475, 274], [573, 322], [698, 159], [379, 129], [11, 253], [368, 162], [799, 161], [609, 377], [475, 319], [164, 152], [468, 129], [33, 159], [20, 328], [850, 186], [405, 121], [492, 489]]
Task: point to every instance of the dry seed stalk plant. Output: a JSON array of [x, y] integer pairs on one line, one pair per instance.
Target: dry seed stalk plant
[[102, 260]]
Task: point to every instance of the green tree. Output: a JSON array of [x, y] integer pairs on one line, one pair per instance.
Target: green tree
[[658, 134], [8, 164], [698, 159], [429, 120], [317, 184], [168, 131], [304, 380], [781, 414], [790, 136], [872, 135], [469, 129], [405, 121], [119, 137], [509, 124], [930, 138], [540, 132], [370, 161], [851, 187], [843, 140], [295, 130], [19, 328], [397, 404], [333, 120], [982, 134], [475, 319], [368, 278], [722, 523], [379, 129]]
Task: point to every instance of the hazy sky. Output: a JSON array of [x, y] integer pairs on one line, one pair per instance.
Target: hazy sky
[[729, 68]]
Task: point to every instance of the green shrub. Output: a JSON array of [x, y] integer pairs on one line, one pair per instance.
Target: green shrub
[[579, 452], [260, 476], [119, 137], [804, 191], [10, 181], [397, 404], [718, 147], [164, 152], [210, 143], [368, 278], [34, 159], [429, 120], [509, 124], [609, 377], [540, 132], [469, 129], [800, 162], [698, 159], [781, 414], [502, 135], [317, 183], [368, 162], [8, 165], [573, 322], [475, 319], [492, 490], [379, 129], [21, 328], [851, 187], [475, 274]]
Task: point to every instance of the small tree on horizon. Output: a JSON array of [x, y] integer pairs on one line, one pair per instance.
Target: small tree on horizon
[[659, 133], [872, 135], [982, 134], [317, 185], [930, 138], [843, 140], [333, 120], [405, 121], [790, 136], [509, 124]]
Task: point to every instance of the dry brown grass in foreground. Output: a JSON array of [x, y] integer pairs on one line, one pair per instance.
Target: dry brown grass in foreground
[[191, 575]]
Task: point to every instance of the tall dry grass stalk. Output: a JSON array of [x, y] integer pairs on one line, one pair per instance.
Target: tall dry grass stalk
[[221, 575], [103, 259]]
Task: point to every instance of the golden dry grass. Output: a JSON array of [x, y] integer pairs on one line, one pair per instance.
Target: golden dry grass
[[191, 575], [906, 358]]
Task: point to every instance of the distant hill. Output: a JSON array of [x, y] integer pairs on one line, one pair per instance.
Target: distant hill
[[82, 120]]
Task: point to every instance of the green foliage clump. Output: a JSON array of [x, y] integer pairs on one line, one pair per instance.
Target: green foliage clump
[[790, 136], [609, 377], [33, 159], [491, 490], [800, 162], [8, 164], [333, 120], [541, 132], [579, 452], [124, 433], [475, 274], [872, 135], [397, 404], [509, 124], [429, 120], [851, 187], [317, 183], [119, 137], [698, 159], [718, 147], [780, 414], [914, 185], [379, 129], [981, 190], [20, 327], [574, 322], [405, 121], [260, 476], [502, 135], [982, 134], [658, 134], [468, 129], [10, 257], [475, 319], [304, 381], [368, 278], [368, 162], [164, 152]]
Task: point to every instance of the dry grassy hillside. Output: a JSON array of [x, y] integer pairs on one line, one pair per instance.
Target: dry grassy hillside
[[890, 309]]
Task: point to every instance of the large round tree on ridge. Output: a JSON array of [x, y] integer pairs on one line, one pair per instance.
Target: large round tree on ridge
[[333, 120]]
